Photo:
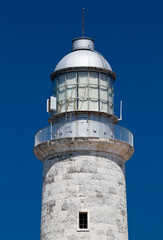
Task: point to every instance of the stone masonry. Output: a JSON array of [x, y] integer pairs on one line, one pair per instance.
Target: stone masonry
[[77, 180]]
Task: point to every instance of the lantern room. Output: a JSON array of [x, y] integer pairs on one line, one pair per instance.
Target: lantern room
[[83, 80]]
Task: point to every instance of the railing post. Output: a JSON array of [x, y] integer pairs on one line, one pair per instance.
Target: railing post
[[51, 132], [120, 134]]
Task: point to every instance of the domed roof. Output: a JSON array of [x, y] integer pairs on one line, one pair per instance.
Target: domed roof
[[83, 55], [83, 58]]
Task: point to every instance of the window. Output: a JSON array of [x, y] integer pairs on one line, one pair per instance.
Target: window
[[83, 220]]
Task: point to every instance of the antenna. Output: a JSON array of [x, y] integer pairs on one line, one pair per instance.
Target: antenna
[[120, 111], [83, 24]]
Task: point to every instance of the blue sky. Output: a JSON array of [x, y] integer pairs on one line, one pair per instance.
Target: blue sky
[[35, 35]]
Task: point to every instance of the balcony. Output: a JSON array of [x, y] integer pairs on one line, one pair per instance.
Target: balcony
[[86, 129]]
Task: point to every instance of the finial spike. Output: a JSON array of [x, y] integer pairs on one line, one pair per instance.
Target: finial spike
[[83, 24]]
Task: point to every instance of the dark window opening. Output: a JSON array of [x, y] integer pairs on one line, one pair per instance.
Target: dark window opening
[[83, 220]]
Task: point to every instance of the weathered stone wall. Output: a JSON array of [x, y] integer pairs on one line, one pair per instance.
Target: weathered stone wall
[[84, 180]]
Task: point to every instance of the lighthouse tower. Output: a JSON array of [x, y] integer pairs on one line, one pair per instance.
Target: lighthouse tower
[[83, 152]]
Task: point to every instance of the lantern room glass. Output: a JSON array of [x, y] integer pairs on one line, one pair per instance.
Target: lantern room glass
[[84, 91]]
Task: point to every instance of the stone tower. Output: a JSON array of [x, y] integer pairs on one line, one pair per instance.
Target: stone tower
[[83, 152]]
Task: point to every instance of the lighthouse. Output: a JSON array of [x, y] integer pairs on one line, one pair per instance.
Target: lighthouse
[[83, 151]]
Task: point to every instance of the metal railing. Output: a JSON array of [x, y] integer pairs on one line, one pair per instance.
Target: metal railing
[[84, 129]]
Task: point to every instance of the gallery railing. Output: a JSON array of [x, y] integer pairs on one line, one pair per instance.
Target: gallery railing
[[84, 129]]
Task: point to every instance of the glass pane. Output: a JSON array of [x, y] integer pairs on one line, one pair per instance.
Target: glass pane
[[61, 106], [93, 78], [111, 96], [61, 94], [103, 79], [83, 104], [103, 106], [93, 105], [83, 92], [71, 91], [55, 83], [83, 78], [103, 93], [111, 108], [61, 81], [110, 79], [71, 105], [55, 92], [93, 91], [71, 78]]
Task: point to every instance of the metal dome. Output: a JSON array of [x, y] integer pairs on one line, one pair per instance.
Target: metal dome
[[83, 55]]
